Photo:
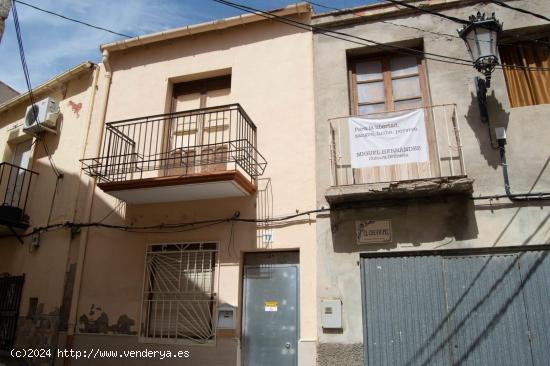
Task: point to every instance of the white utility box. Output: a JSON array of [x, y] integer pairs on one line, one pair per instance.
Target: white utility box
[[331, 317], [226, 317]]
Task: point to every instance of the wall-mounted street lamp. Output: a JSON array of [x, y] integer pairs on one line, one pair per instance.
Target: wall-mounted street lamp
[[481, 37]]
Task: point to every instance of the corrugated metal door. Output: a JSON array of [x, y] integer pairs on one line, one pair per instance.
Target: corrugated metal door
[[535, 274], [486, 311], [405, 322], [457, 310], [270, 319]]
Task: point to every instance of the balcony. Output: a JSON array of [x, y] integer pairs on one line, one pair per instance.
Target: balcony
[[198, 154], [443, 173], [15, 183]]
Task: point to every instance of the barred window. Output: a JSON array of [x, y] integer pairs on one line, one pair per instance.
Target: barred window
[[178, 295]]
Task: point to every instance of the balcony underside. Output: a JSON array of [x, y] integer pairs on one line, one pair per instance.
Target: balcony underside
[[457, 185], [191, 187], [11, 221]]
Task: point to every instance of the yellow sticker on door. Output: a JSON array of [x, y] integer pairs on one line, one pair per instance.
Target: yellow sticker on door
[[271, 305]]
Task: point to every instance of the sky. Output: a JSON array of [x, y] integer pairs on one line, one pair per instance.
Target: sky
[[53, 45]]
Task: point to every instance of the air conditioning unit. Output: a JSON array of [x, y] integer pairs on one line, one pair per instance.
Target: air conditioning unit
[[41, 117]]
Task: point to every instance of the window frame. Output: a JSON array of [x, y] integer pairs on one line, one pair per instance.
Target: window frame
[[144, 315], [385, 59]]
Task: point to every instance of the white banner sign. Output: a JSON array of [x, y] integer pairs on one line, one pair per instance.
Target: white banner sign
[[388, 141]]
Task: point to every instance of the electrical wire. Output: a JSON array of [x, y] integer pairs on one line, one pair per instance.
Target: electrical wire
[[19, 37], [340, 35], [448, 17], [457, 20], [50, 159], [72, 19], [449, 35], [371, 43], [168, 228], [22, 52], [198, 225], [504, 5]]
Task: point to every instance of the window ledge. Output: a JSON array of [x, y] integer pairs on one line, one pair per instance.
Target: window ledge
[[456, 185], [176, 341]]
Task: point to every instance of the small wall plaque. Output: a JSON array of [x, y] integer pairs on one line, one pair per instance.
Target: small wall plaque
[[373, 231]]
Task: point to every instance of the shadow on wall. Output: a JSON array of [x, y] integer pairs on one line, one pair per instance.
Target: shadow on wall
[[415, 223], [485, 132]]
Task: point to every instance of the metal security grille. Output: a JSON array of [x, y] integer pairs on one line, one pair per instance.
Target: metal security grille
[[179, 297], [10, 297]]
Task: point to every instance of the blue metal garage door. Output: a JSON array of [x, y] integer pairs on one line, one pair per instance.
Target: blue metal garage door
[[457, 310]]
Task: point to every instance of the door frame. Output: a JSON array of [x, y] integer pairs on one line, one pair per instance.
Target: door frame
[[243, 302]]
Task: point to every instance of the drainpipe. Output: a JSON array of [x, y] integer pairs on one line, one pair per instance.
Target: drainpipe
[[516, 197], [91, 99], [73, 317]]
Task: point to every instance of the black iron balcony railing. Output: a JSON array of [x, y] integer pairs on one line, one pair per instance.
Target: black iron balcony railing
[[15, 183], [198, 141]]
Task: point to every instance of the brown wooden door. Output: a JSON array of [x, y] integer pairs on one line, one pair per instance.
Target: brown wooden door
[[198, 142]]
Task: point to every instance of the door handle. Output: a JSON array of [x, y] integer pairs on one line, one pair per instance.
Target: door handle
[[287, 345]]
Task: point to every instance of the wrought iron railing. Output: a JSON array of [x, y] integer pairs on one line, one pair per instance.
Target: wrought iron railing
[[176, 144], [15, 183], [445, 151]]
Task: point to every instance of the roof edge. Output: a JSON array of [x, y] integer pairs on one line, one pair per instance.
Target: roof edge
[[60, 78], [381, 10], [220, 24], [9, 87]]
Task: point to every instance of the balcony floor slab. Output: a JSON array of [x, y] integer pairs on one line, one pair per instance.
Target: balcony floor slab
[[181, 188], [457, 185]]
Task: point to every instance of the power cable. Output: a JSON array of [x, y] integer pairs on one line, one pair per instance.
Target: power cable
[[448, 17], [197, 225], [28, 82], [22, 52], [72, 19], [168, 228], [545, 44], [457, 20], [50, 159], [379, 45], [340, 35], [504, 5]]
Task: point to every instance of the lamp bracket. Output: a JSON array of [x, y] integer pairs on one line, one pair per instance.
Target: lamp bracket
[[481, 91]]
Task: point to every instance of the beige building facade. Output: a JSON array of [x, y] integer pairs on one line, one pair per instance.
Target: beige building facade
[[38, 269], [195, 153]]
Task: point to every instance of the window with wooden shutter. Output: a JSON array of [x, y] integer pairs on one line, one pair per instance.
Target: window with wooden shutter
[[387, 83], [526, 87], [391, 83]]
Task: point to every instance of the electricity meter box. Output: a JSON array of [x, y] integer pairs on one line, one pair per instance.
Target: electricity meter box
[[331, 317], [226, 317]]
